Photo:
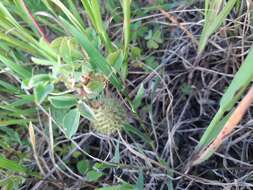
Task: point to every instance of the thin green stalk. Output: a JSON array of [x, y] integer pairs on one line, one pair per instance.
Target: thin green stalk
[[213, 19], [126, 5], [92, 8]]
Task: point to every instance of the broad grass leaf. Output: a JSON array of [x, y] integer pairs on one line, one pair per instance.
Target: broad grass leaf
[[11, 165], [16, 68], [9, 88], [43, 62]]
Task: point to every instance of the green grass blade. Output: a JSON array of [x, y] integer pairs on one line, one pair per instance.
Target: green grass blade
[[92, 8], [7, 87], [16, 68], [213, 21], [11, 165], [23, 100], [18, 44], [71, 17], [19, 122], [75, 11], [17, 111], [126, 5], [231, 96], [20, 9], [8, 22], [20, 36]]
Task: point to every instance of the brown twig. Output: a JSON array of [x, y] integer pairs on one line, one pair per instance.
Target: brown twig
[[230, 125], [175, 21], [33, 143]]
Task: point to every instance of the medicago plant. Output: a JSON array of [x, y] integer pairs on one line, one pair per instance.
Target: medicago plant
[[69, 71], [61, 64]]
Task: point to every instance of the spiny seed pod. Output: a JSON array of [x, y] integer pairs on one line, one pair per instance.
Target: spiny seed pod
[[110, 116]]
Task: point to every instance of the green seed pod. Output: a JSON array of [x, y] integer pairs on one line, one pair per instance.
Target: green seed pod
[[110, 116]]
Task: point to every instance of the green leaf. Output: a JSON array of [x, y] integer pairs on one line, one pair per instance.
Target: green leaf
[[135, 53], [186, 89], [96, 58], [96, 87], [102, 166], [23, 99], [13, 182], [86, 111], [74, 9], [20, 122], [124, 186], [63, 101], [83, 166], [152, 44], [138, 98], [9, 184], [116, 59], [43, 62], [42, 91], [71, 122], [10, 134], [11, 165], [14, 43], [69, 14], [157, 37], [151, 64], [93, 175], [129, 129], [149, 35], [140, 181], [39, 79], [67, 48], [58, 115], [116, 157]]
